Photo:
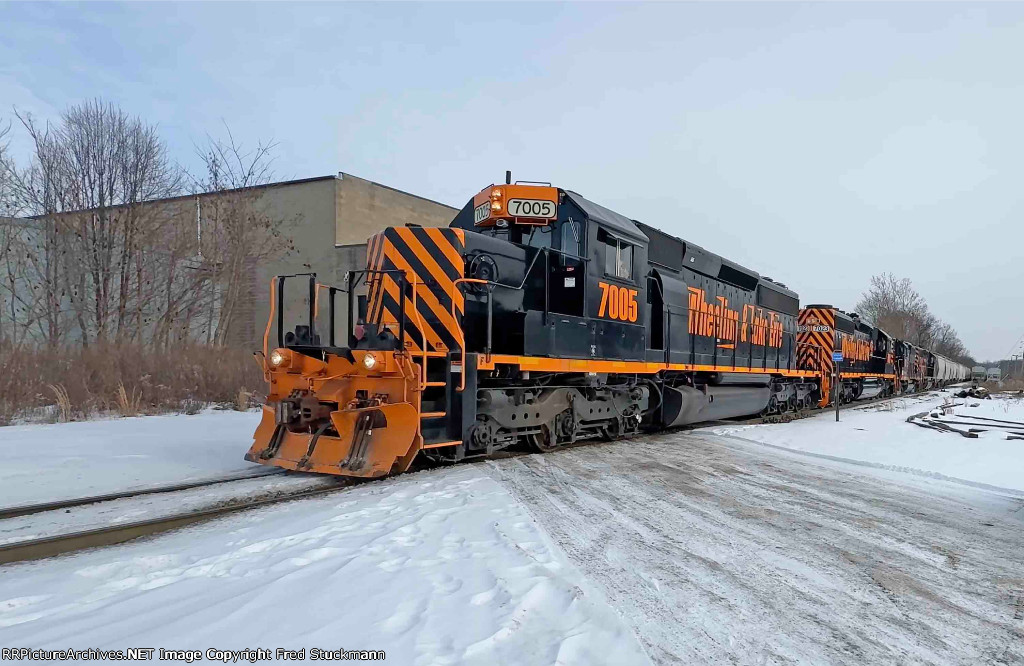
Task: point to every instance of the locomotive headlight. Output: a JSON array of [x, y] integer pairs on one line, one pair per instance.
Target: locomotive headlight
[[277, 358], [369, 361], [496, 202]]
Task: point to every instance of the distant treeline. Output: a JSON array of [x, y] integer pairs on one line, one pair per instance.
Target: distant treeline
[[895, 306]]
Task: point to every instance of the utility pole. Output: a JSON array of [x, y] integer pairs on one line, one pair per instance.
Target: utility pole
[[837, 358]]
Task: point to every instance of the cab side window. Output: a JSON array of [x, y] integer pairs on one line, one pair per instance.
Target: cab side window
[[539, 237], [570, 238], [624, 268], [618, 256]]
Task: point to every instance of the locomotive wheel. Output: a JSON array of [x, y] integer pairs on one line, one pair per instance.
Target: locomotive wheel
[[612, 431], [773, 406], [543, 441]]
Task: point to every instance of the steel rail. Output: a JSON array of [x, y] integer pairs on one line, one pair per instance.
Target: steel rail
[[29, 509], [34, 549]]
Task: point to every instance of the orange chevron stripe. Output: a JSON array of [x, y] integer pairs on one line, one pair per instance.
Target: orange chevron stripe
[[374, 256], [442, 238], [424, 293], [436, 272]]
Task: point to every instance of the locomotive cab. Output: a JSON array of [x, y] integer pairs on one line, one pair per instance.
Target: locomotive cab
[[569, 283]]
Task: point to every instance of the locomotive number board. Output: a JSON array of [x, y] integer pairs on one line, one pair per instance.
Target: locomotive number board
[[531, 208], [518, 203]]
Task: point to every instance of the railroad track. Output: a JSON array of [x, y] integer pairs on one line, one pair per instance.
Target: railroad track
[[29, 509], [60, 544], [51, 546]]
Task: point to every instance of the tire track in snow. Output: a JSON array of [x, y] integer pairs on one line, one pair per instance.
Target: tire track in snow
[[719, 551]]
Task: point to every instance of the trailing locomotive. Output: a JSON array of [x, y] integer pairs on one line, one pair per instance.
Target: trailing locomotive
[[542, 317]]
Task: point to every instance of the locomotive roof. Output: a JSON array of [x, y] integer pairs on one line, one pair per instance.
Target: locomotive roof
[[609, 218]]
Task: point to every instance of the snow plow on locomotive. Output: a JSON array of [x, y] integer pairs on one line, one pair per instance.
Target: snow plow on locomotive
[[536, 317]]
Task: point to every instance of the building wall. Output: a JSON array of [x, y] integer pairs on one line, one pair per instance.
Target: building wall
[[13, 232], [333, 218], [325, 224], [309, 214], [363, 206]]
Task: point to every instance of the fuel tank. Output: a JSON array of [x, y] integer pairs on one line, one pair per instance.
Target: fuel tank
[[872, 387], [738, 379], [685, 404]]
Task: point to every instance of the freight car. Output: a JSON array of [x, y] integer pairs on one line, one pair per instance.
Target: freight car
[[540, 317]]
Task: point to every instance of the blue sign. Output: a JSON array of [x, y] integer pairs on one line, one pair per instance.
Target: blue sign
[[837, 357]]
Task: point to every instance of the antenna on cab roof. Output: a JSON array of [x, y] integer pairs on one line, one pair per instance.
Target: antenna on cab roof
[[508, 177]]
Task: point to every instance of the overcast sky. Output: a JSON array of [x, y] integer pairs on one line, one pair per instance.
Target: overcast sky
[[817, 144]]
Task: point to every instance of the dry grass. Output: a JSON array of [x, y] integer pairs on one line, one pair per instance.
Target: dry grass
[[243, 400], [63, 402], [75, 383], [1007, 385], [128, 405]]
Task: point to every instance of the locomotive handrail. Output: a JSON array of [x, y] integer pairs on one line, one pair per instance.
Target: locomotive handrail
[[423, 334], [490, 305], [462, 334], [270, 322], [751, 326], [279, 281], [365, 276]]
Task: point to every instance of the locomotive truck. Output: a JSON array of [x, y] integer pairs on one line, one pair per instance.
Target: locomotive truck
[[539, 317]]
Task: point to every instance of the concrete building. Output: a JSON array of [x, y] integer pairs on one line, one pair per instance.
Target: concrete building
[[331, 218]]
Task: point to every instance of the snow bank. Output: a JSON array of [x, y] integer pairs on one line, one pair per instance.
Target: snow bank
[[433, 568], [881, 437], [45, 463]]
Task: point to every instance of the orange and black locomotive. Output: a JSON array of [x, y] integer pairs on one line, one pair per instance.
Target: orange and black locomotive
[[540, 317]]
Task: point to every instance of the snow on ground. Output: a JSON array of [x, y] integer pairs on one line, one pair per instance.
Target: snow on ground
[[729, 552], [131, 509], [880, 436], [44, 463], [437, 567]]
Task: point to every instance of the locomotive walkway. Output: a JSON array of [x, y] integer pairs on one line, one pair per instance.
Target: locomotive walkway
[[723, 551]]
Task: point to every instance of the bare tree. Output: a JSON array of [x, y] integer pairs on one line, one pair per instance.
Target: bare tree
[[895, 306], [109, 255], [91, 174], [8, 323], [238, 228], [34, 266], [946, 341], [7, 201]]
